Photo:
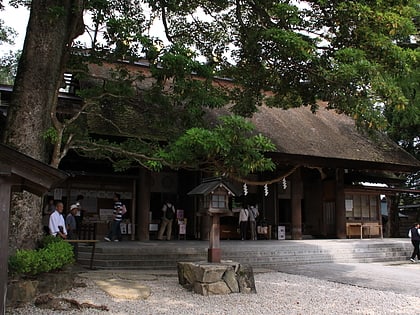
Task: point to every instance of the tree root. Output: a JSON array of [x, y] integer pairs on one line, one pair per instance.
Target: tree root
[[48, 301]]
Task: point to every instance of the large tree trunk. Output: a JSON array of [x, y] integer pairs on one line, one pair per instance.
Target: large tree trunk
[[52, 26]]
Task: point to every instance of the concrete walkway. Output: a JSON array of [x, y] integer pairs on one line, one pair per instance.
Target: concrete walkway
[[399, 277]]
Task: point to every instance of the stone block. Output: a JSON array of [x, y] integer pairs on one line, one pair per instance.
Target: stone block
[[186, 274], [215, 288], [212, 273], [216, 278], [245, 276], [231, 280], [21, 291]]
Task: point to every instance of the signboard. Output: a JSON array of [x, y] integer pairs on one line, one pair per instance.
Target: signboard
[[182, 229], [180, 214], [281, 232]]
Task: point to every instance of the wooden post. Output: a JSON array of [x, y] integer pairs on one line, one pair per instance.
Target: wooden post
[[214, 251], [142, 219], [297, 205], [5, 193], [340, 208]]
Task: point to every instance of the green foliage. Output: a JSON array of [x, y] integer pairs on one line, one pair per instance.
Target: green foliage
[[122, 25], [7, 34], [230, 149], [277, 53], [8, 67], [47, 240], [51, 135], [53, 256]]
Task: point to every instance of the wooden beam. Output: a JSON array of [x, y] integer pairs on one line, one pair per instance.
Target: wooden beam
[[5, 170], [381, 190]]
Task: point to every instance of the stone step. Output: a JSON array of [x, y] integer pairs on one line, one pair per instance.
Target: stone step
[[264, 254]]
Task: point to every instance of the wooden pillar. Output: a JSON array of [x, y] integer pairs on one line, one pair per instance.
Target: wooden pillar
[[214, 251], [393, 217], [269, 209], [143, 205], [205, 227], [297, 192], [5, 193], [134, 210], [340, 207]]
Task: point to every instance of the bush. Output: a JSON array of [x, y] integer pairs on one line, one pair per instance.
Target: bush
[[48, 239], [54, 255]]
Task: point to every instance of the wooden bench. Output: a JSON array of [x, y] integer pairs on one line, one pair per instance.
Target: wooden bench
[[91, 242]]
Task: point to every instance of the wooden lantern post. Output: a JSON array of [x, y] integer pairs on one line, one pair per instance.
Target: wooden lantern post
[[214, 251], [215, 193]]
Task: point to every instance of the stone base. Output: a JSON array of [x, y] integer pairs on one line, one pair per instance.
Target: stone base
[[23, 291], [216, 278]]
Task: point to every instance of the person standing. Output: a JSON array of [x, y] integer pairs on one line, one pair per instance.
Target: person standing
[[414, 234], [114, 234], [80, 211], [243, 222], [56, 223], [168, 210], [253, 214], [71, 223]]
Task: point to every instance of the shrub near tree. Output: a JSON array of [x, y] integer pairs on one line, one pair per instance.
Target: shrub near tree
[[53, 255]]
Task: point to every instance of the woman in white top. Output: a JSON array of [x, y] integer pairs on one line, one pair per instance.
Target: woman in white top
[[243, 222]]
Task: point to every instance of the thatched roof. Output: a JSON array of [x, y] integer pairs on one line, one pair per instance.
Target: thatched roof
[[327, 139], [324, 139]]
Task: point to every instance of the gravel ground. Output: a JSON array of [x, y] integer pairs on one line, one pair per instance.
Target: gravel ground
[[277, 293]]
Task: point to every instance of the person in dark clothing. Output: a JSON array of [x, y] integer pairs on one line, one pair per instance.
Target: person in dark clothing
[[80, 212], [114, 233], [169, 214], [414, 234], [71, 224]]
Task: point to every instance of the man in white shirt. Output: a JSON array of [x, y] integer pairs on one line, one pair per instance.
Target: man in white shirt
[[56, 224]]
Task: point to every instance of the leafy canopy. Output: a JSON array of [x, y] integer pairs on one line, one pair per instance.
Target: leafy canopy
[[279, 53]]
